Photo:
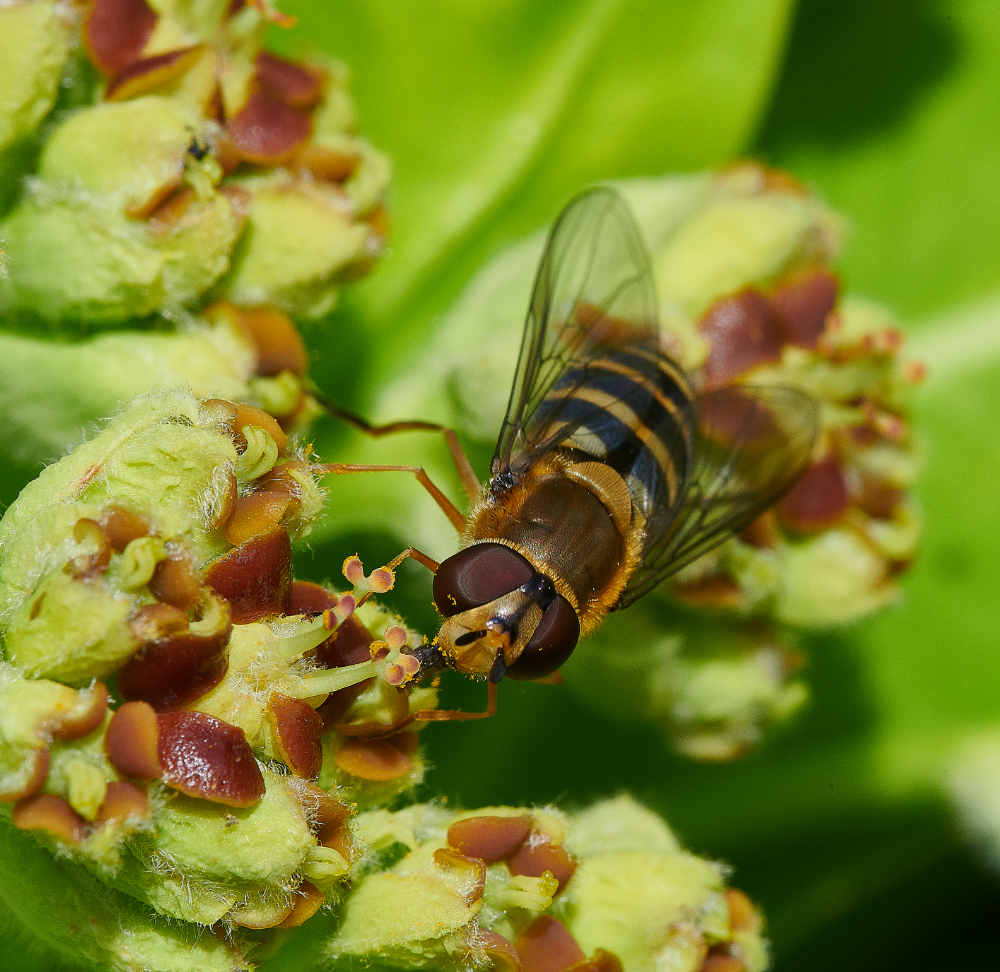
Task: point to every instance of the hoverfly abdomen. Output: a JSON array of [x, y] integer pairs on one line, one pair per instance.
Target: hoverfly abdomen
[[631, 409]]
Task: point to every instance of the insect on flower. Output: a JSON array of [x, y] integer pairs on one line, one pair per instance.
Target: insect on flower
[[610, 473]]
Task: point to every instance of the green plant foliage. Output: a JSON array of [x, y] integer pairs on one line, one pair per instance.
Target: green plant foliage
[[494, 113]]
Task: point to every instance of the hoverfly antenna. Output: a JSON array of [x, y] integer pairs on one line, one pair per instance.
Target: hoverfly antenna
[[467, 639]]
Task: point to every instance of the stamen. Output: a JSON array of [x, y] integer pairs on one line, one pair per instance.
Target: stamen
[[303, 636], [334, 679], [378, 581]]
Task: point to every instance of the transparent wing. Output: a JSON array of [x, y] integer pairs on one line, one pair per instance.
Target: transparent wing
[[751, 444], [593, 290]]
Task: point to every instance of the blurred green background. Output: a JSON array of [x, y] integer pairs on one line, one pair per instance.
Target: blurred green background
[[495, 113]]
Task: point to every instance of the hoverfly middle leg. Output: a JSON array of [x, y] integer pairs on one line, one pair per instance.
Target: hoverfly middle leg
[[449, 509], [467, 475]]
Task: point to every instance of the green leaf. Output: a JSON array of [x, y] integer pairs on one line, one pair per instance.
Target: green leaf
[[889, 110], [495, 113]]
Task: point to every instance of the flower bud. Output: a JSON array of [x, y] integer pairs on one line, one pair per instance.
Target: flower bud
[[537, 889], [716, 686], [270, 264], [34, 46]]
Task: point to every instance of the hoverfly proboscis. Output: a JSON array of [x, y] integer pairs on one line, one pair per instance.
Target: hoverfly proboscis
[[611, 472]]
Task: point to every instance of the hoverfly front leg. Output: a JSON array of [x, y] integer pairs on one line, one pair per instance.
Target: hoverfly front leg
[[420, 558], [455, 715], [430, 657]]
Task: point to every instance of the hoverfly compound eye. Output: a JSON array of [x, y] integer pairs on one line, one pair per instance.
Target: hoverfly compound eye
[[477, 575], [551, 644]]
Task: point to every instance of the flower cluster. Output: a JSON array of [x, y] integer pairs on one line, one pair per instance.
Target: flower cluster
[[214, 742], [829, 551], [160, 165]]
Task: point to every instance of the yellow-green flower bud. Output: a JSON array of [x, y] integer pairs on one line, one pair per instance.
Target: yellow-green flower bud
[[82, 546], [439, 889], [271, 265], [716, 686], [34, 46]]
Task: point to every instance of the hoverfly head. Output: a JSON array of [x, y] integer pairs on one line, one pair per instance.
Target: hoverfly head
[[502, 617]]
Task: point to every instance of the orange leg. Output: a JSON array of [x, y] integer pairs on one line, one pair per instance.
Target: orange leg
[[449, 509], [420, 558], [453, 715], [470, 481]]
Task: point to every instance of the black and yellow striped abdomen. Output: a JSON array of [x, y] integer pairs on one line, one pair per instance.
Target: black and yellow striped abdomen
[[629, 408]]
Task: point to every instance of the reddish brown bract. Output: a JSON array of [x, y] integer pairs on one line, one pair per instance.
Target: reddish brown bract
[[279, 345], [123, 800], [373, 759], [743, 916], [132, 741], [803, 305], [298, 731], [34, 771], [176, 582], [326, 163], [501, 953], [150, 73], [255, 578], [175, 670], [84, 717], [121, 526], [547, 946], [717, 962], [116, 31], [266, 131], [310, 899], [538, 855], [51, 813], [327, 817], [470, 870], [744, 332], [295, 85], [205, 757], [817, 500], [489, 838], [257, 513]]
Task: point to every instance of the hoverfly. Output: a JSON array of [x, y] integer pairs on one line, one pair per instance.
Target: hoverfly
[[611, 471]]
